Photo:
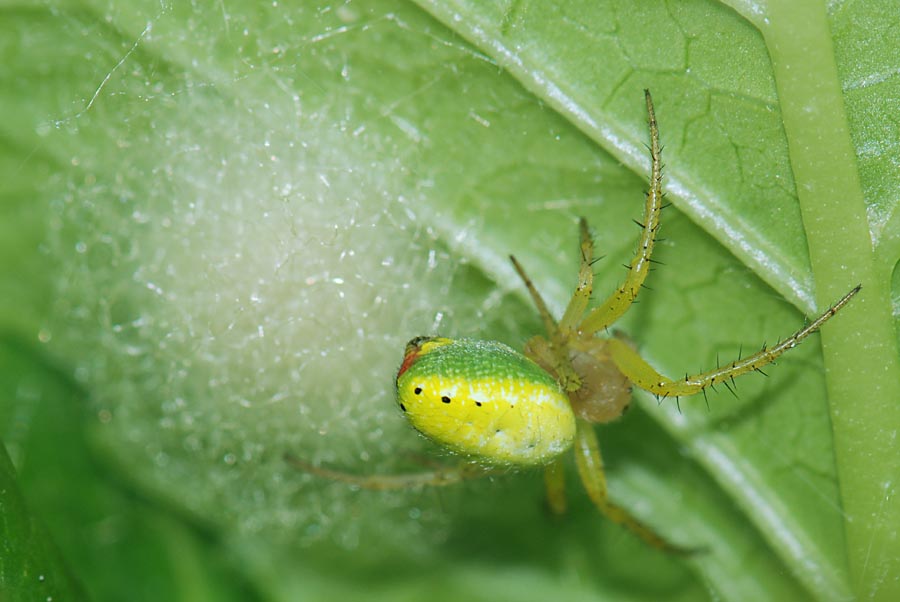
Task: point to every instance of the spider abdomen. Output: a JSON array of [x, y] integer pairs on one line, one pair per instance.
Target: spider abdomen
[[484, 399]]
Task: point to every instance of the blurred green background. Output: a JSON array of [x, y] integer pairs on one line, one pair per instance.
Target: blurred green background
[[221, 222]]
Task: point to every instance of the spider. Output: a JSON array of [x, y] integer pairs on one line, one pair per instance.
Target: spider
[[500, 408]]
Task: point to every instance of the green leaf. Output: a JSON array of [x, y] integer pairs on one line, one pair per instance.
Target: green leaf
[[244, 210], [118, 544], [30, 564]]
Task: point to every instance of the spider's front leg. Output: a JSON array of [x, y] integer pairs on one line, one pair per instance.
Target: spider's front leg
[[553, 355], [642, 374], [618, 303]]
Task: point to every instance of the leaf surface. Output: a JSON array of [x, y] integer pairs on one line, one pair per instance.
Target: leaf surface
[[243, 212]]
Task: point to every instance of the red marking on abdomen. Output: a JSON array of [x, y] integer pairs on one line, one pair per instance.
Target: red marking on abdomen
[[407, 362]]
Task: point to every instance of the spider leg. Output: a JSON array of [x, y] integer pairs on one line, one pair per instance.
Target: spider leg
[[590, 469], [582, 295], [433, 478], [550, 355], [618, 303], [554, 360], [646, 377], [555, 482], [546, 316]]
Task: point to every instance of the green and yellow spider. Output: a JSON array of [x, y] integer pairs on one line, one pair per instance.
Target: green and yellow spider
[[500, 408]]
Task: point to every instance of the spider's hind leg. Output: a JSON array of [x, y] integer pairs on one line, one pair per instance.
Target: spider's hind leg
[[590, 469], [439, 477], [555, 483]]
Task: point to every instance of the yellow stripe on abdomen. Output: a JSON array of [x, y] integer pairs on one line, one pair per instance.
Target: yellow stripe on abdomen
[[502, 421]]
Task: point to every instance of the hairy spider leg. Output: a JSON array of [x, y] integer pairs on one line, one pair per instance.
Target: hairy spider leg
[[618, 303], [646, 377], [553, 357], [433, 478], [582, 295]]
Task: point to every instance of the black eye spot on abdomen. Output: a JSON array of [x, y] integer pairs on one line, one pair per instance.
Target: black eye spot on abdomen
[[445, 399]]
